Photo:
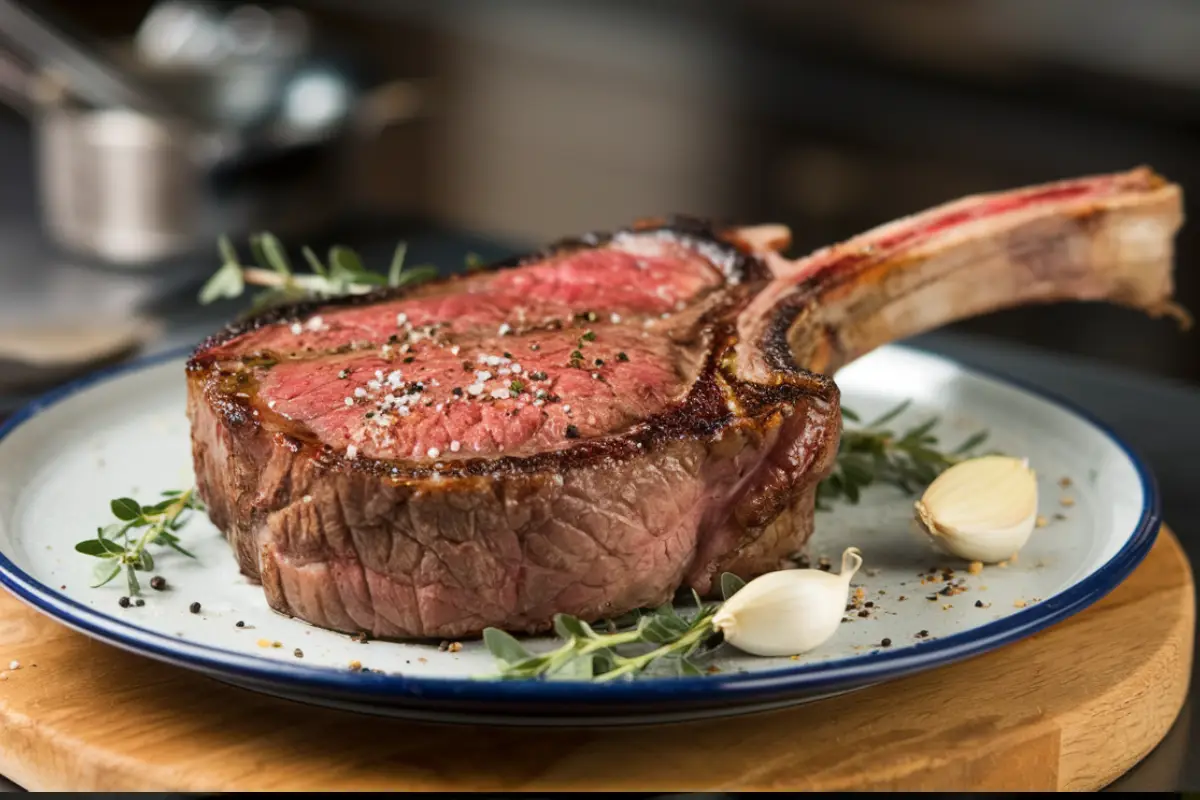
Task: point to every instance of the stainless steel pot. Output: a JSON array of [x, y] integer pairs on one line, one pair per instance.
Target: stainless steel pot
[[138, 183], [132, 189]]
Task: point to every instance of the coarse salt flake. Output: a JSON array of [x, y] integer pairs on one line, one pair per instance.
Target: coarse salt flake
[[401, 318], [475, 389], [516, 369], [500, 394], [296, 328], [482, 376], [351, 452], [360, 392], [504, 329], [433, 452], [314, 324], [349, 401], [455, 446]]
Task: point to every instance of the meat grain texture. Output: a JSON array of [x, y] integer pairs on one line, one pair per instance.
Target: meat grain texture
[[589, 428]]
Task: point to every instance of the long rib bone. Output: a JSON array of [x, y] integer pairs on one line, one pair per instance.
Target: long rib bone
[[1103, 238]]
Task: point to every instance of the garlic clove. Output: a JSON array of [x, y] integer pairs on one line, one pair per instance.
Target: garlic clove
[[981, 509], [788, 612]]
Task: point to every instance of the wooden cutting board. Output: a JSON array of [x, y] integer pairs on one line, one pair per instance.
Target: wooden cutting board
[[1071, 708]]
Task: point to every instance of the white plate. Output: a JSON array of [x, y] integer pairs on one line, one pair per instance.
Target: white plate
[[125, 433]]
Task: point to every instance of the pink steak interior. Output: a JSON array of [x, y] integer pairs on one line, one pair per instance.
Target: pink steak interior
[[496, 363]]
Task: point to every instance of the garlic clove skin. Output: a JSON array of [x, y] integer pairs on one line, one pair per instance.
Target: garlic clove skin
[[982, 509], [788, 612]]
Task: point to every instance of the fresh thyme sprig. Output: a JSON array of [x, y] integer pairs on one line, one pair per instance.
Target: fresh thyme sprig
[[875, 454], [123, 544], [343, 273], [661, 641]]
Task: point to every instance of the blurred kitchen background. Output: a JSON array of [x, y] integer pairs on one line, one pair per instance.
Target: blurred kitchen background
[[467, 125]]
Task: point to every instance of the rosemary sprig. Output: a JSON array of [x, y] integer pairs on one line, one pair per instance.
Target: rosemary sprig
[[873, 453], [342, 274], [659, 641], [123, 544]]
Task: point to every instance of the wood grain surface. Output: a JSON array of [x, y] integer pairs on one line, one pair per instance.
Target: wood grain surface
[[1070, 708]]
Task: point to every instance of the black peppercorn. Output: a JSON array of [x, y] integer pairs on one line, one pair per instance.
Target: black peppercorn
[[158, 583], [886, 643], [194, 608], [240, 624], [123, 602], [139, 602]]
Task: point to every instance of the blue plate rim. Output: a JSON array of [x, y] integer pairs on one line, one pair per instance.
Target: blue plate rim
[[861, 670]]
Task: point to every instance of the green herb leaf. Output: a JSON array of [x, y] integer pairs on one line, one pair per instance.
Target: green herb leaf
[[661, 629], [397, 265], [890, 415], [110, 531], [971, 443], [274, 254], [131, 579], [567, 626], [343, 259], [100, 548], [314, 263], [419, 274], [580, 668], [158, 507], [105, 571], [228, 252], [225, 282], [125, 508], [850, 415], [504, 647]]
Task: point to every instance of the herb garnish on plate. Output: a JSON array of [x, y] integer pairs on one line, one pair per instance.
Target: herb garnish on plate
[[662, 641], [124, 543]]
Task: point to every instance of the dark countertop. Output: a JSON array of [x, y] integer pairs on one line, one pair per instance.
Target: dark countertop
[[1157, 417]]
